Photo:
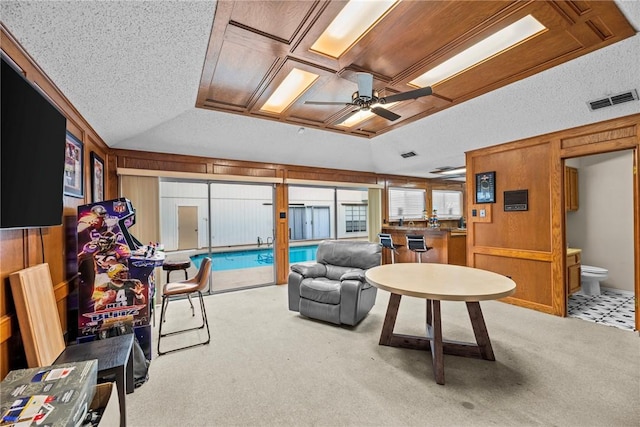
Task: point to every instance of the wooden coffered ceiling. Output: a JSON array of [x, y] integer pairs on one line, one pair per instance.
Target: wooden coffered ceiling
[[254, 45]]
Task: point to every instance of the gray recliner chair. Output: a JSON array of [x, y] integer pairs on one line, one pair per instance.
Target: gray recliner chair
[[334, 289]]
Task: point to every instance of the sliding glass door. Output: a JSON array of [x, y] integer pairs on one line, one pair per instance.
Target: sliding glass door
[[242, 235], [232, 223]]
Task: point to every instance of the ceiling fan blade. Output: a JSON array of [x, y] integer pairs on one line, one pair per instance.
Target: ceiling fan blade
[[327, 103], [346, 117], [387, 114], [365, 84], [412, 94]]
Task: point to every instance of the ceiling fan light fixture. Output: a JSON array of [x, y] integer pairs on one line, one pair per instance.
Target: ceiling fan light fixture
[[497, 43], [295, 84], [353, 22]]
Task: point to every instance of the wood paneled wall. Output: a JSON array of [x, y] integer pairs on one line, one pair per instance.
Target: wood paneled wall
[[23, 248], [529, 246]]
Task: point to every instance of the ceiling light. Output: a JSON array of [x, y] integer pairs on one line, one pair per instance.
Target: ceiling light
[[363, 115], [353, 21], [493, 45], [294, 85]]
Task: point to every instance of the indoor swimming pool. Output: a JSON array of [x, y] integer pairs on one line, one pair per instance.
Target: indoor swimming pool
[[236, 260]]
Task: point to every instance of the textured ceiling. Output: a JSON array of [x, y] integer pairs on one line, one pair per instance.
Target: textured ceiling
[[132, 69]]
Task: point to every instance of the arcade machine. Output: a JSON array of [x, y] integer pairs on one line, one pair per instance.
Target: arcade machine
[[116, 272]]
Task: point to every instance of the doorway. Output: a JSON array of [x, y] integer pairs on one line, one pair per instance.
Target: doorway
[[187, 227], [597, 233]]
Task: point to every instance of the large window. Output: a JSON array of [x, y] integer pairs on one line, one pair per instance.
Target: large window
[[355, 218], [407, 203], [448, 203]]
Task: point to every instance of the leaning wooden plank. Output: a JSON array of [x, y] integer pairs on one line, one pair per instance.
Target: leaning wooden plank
[[37, 315]]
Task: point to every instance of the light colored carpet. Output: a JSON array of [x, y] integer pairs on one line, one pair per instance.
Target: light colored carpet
[[267, 366]]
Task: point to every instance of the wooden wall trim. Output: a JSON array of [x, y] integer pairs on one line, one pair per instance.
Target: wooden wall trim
[[5, 327], [294, 181], [61, 291], [514, 253], [281, 206], [528, 304], [200, 176], [594, 148], [629, 131], [202, 166]]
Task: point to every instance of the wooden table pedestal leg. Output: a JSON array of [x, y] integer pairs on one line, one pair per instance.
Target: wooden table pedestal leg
[[434, 333], [480, 331], [390, 319]]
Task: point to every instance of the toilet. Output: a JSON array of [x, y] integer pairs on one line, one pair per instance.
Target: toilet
[[590, 278]]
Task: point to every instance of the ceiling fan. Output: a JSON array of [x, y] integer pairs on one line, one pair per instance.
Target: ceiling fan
[[367, 99]]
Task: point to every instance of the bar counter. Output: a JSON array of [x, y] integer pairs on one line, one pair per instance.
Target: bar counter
[[448, 245]]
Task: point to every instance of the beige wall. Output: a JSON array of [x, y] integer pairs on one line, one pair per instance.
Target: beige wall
[[603, 225]]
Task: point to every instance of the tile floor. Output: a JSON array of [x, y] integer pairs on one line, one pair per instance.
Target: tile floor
[[612, 308]]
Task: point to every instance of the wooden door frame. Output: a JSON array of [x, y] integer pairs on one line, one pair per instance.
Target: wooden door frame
[[624, 134]]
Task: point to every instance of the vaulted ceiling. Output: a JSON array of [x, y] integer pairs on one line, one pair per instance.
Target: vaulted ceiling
[[190, 77]]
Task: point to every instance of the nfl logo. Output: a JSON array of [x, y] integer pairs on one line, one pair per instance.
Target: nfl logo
[[119, 207]]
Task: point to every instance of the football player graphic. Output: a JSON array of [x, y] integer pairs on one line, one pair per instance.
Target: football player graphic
[[105, 251], [96, 221], [120, 290]]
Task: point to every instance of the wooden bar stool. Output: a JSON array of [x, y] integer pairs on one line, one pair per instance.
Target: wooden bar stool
[[416, 243]]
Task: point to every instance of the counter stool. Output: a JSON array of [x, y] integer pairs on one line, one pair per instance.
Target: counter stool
[[387, 243], [416, 243], [175, 265]]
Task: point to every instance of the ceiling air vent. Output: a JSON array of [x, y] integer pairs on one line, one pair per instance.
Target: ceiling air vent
[[408, 154], [620, 98]]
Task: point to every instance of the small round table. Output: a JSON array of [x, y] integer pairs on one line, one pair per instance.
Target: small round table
[[437, 282], [174, 265]]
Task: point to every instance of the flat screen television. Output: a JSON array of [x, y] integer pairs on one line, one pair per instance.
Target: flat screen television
[[32, 153]]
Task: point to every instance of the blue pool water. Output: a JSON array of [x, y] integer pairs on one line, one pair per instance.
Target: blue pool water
[[254, 258]]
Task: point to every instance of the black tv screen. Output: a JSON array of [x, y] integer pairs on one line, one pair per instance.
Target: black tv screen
[[32, 153]]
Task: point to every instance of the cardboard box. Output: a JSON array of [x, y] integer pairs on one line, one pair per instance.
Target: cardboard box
[[54, 396], [105, 402]]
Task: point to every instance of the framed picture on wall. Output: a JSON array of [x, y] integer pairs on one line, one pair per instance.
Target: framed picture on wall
[[73, 167], [486, 187], [97, 178]]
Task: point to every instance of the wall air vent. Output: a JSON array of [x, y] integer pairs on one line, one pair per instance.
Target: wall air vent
[[408, 154], [620, 98]]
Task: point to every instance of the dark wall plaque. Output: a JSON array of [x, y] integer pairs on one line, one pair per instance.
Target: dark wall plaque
[[516, 200]]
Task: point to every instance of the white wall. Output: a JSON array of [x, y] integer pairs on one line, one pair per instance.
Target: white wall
[[603, 225], [241, 213], [311, 196], [172, 195]]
